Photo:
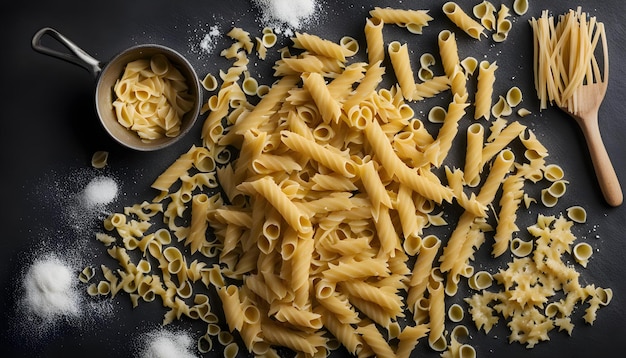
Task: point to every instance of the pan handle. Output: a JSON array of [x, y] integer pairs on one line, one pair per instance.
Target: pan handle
[[76, 55]]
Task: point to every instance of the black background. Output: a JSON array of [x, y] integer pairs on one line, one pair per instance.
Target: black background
[[50, 130]]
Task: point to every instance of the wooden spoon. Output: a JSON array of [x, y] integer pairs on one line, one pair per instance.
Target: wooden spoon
[[583, 106]]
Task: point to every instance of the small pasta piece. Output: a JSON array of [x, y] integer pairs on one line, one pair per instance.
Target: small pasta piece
[[99, 159], [547, 199], [209, 82], [437, 114], [514, 96], [521, 248], [269, 39], [523, 112], [427, 59], [467, 351], [582, 252], [500, 36], [469, 64], [520, 7], [577, 214], [86, 274], [455, 313], [503, 24], [558, 188], [605, 295], [553, 172], [480, 280], [231, 350], [350, 45], [250, 86], [485, 11]]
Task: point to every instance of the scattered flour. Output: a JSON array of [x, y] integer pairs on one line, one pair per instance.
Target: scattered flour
[[85, 199], [204, 38], [167, 344], [49, 296], [208, 42]]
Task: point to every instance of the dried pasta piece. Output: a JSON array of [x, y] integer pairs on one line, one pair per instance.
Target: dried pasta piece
[[448, 51], [582, 252], [320, 46], [486, 79], [469, 64], [437, 114], [553, 172], [408, 339], [577, 214], [421, 270], [473, 154], [501, 108], [268, 189], [436, 335], [520, 6], [512, 194], [480, 280], [399, 56], [523, 112], [350, 45], [374, 340], [374, 38], [485, 11], [455, 312], [462, 20], [99, 159], [345, 333], [430, 88], [329, 107], [521, 248], [413, 20]]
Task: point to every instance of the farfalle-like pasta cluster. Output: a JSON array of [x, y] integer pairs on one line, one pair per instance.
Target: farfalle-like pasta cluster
[[532, 284]]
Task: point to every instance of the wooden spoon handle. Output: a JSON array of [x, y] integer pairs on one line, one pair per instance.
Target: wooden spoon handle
[[609, 183]]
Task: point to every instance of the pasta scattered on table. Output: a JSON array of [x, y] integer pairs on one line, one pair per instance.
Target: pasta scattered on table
[[328, 186]]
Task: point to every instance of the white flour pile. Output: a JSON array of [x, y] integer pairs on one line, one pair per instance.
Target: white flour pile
[[99, 192], [166, 344], [49, 296], [290, 13], [50, 290], [87, 204]]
